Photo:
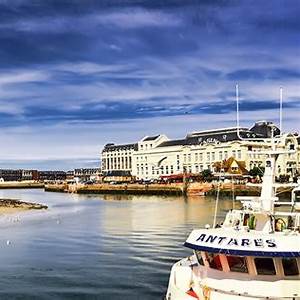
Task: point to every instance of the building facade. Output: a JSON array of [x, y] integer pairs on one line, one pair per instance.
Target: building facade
[[157, 156], [86, 174], [117, 157]]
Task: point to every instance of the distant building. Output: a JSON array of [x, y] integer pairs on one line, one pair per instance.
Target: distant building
[[117, 176], [70, 175], [85, 174], [10, 175], [52, 175], [156, 156], [117, 157], [30, 174]]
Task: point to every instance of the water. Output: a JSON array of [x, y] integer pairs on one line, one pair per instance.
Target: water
[[96, 247]]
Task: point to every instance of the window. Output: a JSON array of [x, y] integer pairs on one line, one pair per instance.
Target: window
[[208, 156], [213, 156], [214, 261], [200, 156], [199, 258], [225, 154], [189, 157], [220, 155], [264, 266], [290, 267], [239, 154], [234, 153], [196, 156], [237, 264]]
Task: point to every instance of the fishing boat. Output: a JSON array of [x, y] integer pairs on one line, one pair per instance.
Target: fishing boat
[[253, 254]]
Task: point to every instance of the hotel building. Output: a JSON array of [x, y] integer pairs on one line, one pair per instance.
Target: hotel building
[[117, 157], [156, 156]]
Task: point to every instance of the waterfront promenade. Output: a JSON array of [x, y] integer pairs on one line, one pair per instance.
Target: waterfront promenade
[[196, 188]]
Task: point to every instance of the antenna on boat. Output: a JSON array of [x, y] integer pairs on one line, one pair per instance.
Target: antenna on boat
[[280, 111], [237, 107]]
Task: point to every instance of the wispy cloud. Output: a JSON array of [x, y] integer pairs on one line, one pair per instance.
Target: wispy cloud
[[115, 71], [22, 76]]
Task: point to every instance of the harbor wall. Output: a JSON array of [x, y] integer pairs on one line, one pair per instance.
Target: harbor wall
[[134, 189], [21, 185], [199, 189]]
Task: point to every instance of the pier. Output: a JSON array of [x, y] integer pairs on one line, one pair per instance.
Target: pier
[[176, 189]]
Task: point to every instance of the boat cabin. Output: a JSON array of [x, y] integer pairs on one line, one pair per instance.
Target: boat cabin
[[251, 265]]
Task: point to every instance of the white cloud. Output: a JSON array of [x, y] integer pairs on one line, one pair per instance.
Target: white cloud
[[22, 76]]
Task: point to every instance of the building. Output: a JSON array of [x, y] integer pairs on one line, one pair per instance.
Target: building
[[10, 175], [117, 176], [157, 156], [52, 175], [30, 174], [86, 174], [117, 157]]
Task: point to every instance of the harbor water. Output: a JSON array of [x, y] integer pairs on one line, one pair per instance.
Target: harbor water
[[96, 246]]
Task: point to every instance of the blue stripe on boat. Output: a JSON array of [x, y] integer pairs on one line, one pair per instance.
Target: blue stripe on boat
[[243, 252]]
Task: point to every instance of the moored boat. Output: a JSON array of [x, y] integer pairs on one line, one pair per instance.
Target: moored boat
[[253, 254]]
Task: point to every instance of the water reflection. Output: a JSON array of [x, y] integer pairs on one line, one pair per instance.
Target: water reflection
[[103, 247]]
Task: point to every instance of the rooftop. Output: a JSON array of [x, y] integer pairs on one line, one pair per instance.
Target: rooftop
[[151, 138]]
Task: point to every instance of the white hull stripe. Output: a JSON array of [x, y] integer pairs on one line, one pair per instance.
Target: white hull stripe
[[244, 252]]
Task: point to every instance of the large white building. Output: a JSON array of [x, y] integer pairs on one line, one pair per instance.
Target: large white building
[[156, 156]]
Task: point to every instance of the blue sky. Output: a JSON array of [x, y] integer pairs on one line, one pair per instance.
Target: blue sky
[[75, 75]]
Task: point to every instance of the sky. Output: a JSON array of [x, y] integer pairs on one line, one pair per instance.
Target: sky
[[75, 75]]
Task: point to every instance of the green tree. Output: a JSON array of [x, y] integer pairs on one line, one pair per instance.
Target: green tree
[[206, 175], [257, 171]]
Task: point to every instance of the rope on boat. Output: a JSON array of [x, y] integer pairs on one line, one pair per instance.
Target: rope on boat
[[217, 202]]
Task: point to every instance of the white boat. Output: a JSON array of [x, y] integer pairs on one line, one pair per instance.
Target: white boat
[[254, 254]]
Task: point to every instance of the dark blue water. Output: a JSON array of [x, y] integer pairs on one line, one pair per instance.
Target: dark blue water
[[96, 247]]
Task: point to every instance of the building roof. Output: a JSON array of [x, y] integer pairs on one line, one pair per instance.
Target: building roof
[[117, 173], [172, 143], [265, 128], [151, 138], [213, 137], [215, 131], [261, 129], [113, 147]]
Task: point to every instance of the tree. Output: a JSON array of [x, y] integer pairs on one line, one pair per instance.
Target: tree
[[206, 175], [257, 171]]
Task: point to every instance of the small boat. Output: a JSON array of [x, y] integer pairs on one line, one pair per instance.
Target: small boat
[[254, 254]]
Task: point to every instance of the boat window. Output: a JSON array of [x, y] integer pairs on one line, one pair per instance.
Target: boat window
[[264, 266], [199, 258], [237, 264], [214, 261], [290, 267]]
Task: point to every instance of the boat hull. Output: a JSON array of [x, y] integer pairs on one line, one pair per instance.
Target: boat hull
[[187, 283]]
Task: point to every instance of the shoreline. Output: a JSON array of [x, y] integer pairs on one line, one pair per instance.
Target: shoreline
[[9, 206], [21, 185]]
